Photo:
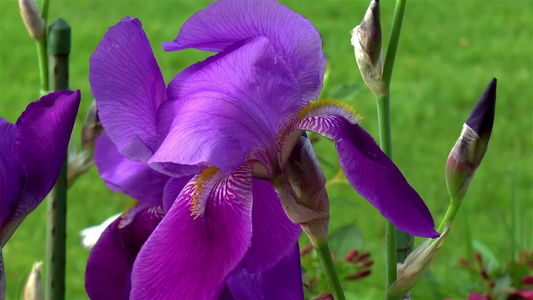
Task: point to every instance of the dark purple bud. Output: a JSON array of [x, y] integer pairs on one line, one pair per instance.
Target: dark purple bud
[[481, 117], [468, 151]]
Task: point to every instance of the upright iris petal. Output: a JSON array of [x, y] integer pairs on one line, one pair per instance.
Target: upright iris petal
[[32, 152], [294, 38]]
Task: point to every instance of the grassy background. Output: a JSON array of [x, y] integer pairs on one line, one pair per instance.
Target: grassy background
[[449, 51]]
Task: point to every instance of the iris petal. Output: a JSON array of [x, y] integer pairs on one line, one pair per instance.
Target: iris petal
[[226, 107], [274, 234], [126, 176], [191, 258], [42, 135], [295, 38], [128, 87], [111, 260], [373, 175], [283, 281]]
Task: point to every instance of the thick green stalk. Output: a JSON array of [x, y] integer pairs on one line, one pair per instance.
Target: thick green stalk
[[397, 246], [324, 255], [59, 49]]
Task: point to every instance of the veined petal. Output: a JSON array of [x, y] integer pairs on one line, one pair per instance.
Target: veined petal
[[283, 281], [111, 260], [191, 256], [128, 87], [172, 190], [42, 136], [274, 235], [295, 38], [126, 176], [226, 107], [373, 175], [11, 172]]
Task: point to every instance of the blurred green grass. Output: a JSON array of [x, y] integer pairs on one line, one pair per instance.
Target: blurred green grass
[[449, 51]]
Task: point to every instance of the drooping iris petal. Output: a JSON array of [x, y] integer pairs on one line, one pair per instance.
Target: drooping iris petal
[[42, 135], [128, 87], [126, 176], [274, 234], [11, 173], [191, 256], [227, 106], [224, 23], [111, 260], [373, 175], [283, 281]]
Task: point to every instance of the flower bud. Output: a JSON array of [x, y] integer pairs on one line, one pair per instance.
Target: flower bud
[[33, 287], [92, 127], [309, 182], [303, 192], [366, 40], [32, 19], [416, 264], [471, 146]]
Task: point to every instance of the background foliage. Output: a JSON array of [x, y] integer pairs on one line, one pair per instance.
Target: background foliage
[[449, 51]]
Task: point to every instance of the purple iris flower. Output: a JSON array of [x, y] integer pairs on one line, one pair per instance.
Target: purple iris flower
[[231, 122], [32, 152], [110, 263]]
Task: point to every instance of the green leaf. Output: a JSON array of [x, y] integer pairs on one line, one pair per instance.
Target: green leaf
[[346, 238]]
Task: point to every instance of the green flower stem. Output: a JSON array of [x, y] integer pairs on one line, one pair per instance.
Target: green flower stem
[[42, 53], [59, 50], [43, 66], [324, 255], [452, 210], [404, 242]]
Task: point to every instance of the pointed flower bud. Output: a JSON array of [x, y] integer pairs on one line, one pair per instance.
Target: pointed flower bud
[[416, 264], [366, 40], [471, 146], [92, 127], [32, 19], [303, 194], [33, 287]]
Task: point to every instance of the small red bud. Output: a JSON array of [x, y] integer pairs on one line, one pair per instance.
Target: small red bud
[[362, 257], [359, 275], [351, 255], [367, 264], [307, 249], [527, 280]]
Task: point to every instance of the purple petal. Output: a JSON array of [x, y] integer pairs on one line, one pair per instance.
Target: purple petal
[[43, 133], [126, 176], [128, 87], [111, 260], [481, 118], [11, 172], [226, 107], [295, 38], [190, 257], [172, 190], [283, 281], [373, 175], [274, 235]]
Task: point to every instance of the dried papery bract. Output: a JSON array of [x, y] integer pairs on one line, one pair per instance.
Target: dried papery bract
[[416, 264], [32, 19], [33, 287], [366, 40]]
